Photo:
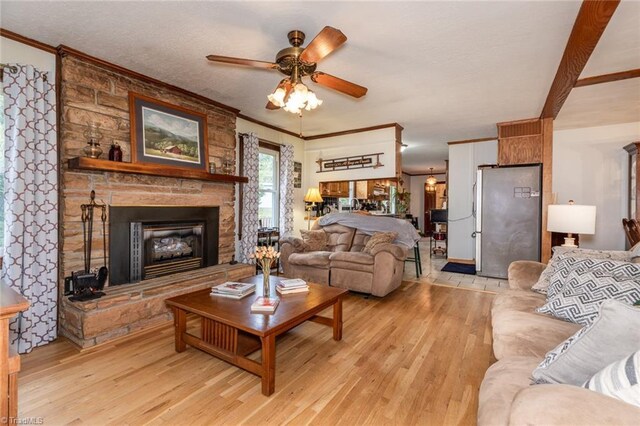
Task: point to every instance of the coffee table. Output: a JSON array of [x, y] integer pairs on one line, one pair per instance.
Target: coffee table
[[231, 332]]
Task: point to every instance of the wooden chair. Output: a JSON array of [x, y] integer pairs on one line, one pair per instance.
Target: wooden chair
[[631, 230]]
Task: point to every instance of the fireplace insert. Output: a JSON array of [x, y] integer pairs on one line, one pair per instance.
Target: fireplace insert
[[149, 242]]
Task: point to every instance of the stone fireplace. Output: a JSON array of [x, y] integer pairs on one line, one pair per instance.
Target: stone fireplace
[[183, 246], [153, 241]]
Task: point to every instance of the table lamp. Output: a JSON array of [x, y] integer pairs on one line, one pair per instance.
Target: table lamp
[[313, 196], [571, 219]]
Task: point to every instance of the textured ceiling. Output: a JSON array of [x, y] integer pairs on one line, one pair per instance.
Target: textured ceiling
[[443, 70]]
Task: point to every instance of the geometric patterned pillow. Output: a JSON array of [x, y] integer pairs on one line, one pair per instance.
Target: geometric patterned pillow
[[585, 290], [565, 265], [560, 253], [620, 380], [614, 334]]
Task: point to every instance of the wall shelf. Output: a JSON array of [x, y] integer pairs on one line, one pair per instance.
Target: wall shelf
[[84, 163]]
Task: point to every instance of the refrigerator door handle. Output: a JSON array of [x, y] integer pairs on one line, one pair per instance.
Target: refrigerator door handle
[[478, 212]]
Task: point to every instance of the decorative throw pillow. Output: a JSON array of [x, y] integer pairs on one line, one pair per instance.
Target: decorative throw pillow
[[635, 253], [565, 265], [562, 252], [615, 333], [315, 240], [620, 379], [585, 290], [379, 238]]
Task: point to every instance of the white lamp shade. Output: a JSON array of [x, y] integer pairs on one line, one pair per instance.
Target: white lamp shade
[[571, 219], [313, 196]]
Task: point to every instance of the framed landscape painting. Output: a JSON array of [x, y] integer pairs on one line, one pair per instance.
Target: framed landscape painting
[[167, 134]]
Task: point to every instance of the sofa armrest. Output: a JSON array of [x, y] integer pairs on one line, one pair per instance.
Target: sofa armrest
[[296, 243], [551, 405], [288, 246], [523, 274], [397, 251]]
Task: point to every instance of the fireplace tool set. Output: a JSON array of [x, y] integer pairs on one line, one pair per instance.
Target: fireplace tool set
[[87, 284]]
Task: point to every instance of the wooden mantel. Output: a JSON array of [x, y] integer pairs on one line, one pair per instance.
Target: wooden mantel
[[84, 163]]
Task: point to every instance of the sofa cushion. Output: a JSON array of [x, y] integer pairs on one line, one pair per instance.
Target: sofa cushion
[[620, 379], [360, 240], [585, 290], [502, 381], [318, 259], [314, 240], [615, 333], [339, 237], [562, 405], [352, 260], [379, 238], [517, 300], [563, 252], [527, 334]]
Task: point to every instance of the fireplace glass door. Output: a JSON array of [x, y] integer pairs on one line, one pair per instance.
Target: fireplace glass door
[[170, 248]]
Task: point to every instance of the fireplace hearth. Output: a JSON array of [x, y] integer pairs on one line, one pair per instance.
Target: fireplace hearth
[[149, 242]]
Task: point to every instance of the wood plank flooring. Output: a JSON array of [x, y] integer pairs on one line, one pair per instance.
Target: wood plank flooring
[[416, 356]]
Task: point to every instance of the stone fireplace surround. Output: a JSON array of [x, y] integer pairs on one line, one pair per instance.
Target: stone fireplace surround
[[91, 90]]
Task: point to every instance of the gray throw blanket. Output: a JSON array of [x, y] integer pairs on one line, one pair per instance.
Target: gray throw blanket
[[407, 234]]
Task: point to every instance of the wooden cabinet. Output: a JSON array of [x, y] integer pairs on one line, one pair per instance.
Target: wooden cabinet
[[11, 303], [334, 189], [634, 180]]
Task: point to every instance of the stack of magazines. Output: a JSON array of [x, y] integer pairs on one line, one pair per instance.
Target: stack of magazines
[[233, 290], [292, 286], [265, 305]]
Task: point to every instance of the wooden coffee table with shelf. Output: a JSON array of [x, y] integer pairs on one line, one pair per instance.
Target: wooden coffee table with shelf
[[230, 331]]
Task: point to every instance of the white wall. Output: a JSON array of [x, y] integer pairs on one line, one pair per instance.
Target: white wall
[[382, 140], [244, 126], [464, 160], [590, 167], [12, 52]]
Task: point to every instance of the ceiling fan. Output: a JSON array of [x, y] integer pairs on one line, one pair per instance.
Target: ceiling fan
[[297, 62]]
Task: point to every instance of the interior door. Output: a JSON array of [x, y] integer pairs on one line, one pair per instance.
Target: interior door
[[429, 203]]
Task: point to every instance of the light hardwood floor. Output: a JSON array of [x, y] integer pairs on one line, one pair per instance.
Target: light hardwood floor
[[416, 356]]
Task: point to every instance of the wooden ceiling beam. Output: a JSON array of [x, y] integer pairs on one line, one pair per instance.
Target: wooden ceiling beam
[[606, 78], [592, 19]]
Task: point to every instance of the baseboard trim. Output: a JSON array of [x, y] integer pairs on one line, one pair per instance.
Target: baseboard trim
[[465, 261]]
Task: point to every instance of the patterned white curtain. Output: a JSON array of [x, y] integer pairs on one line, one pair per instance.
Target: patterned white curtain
[[30, 264], [250, 198], [286, 190]]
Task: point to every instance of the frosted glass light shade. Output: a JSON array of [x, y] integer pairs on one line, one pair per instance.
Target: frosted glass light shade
[[313, 196], [571, 219]]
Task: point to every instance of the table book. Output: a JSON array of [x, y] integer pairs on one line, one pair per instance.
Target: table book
[[233, 290], [265, 305]]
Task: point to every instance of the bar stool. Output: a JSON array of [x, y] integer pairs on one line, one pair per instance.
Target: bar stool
[[416, 259]]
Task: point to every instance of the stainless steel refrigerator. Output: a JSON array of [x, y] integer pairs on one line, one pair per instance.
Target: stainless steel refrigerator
[[508, 217]]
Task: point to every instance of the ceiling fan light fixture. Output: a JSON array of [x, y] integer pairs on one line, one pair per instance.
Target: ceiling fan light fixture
[[277, 97], [300, 98]]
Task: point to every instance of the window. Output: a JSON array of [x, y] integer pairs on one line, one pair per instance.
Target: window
[[268, 187]]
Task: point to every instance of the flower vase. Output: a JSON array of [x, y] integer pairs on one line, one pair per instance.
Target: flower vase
[[266, 288]]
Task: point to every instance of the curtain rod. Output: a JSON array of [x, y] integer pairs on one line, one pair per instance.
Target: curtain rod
[[264, 140], [12, 68]]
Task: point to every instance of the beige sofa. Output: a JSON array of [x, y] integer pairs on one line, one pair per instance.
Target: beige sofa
[[521, 338], [343, 264]]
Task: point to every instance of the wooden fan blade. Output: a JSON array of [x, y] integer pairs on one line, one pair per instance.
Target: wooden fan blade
[[327, 40], [241, 61], [339, 84], [286, 85]]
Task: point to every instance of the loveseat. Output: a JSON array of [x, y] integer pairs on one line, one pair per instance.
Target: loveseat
[[521, 338], [342, 263]]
